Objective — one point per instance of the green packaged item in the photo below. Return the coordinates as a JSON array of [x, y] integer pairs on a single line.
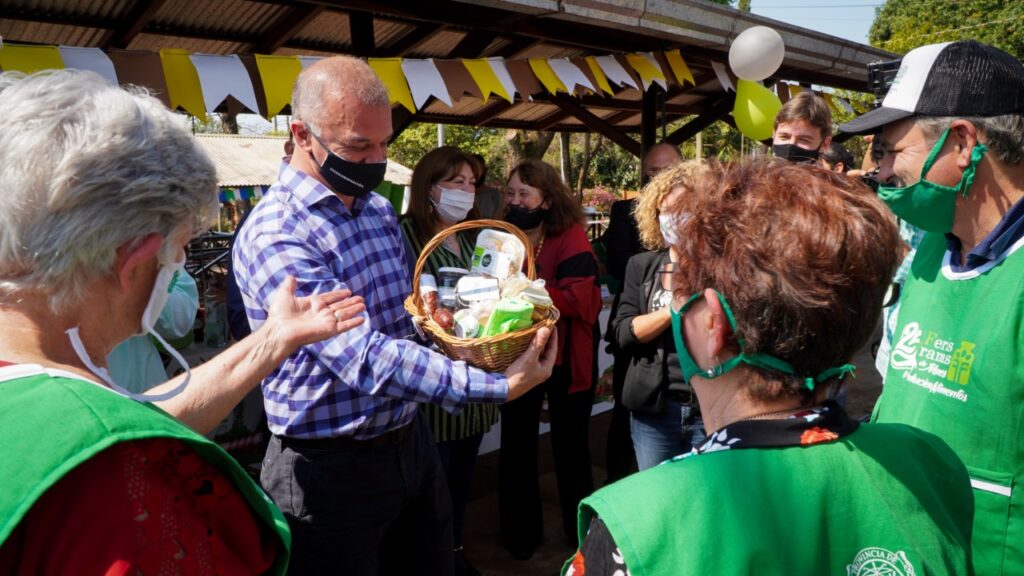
[[510, 315]]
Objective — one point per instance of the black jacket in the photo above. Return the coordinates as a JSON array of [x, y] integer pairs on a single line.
[[654, 368], [621, 239]]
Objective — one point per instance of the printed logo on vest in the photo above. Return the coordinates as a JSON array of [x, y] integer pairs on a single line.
[[880, 562], [933, 363]]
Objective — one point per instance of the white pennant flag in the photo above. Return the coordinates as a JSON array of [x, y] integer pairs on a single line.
[[308, 61], [723, 76], [91, 59], [570, 74], [615, 72], [223, 76], [842, 102], [425, 81], [501, 71]]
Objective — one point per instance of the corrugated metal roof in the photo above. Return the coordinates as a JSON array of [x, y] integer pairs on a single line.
[[434, 28], [255, 160]]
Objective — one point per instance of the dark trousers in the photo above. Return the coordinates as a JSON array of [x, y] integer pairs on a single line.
[[366, 511], [519, 504], [458, 459], [619, 454]]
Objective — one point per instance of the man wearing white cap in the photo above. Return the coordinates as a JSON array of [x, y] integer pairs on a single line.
[[952, 132]]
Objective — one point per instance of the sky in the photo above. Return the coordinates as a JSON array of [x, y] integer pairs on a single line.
[[849, 19]]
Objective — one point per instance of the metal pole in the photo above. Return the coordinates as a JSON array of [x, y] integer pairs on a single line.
[[440, 135]]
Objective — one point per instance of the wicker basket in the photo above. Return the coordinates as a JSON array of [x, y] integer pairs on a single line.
[[492, 353]]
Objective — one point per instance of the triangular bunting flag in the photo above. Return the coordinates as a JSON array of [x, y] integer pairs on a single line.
[[278, 74], [615, 72], [390, 72], [91, 59], [223, 76], [29, 59], [503, 75], [679, 67], [570, 75], [484, 76], [648, 68], [723, 76], [547, 76], [599, 77], [425, 81], [183, 88]]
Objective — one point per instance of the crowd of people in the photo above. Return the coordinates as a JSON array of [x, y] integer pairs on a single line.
[[744, 291]]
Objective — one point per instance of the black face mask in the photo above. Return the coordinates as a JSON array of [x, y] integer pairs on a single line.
[[353, 179], [525, 219], [794, 153]]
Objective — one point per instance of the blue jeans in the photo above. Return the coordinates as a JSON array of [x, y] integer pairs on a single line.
[[657, 437]]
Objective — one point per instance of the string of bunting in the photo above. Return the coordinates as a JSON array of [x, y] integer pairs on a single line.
[[200, 83], [262, 84]]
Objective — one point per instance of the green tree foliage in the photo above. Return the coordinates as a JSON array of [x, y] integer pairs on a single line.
[[901, 25]]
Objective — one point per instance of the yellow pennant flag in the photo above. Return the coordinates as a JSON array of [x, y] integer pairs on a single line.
[[29, 59], [278, 74], [679, 67], [547, 76], [832, 105], [649, 71], [183, 88], [389, 70], [794, 89], [484, 76], [602, 80]]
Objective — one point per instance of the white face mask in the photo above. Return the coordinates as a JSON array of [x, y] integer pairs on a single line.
[[170, 268], [669, 224], [455, 204]]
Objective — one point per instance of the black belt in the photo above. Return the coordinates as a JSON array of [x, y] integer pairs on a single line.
[[346, 443], [682, 396]]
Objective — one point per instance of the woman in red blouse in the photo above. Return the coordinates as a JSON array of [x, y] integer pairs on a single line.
[[541, 205]]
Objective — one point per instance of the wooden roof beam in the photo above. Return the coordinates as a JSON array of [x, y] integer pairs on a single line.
[[411, 40], [620, 105], [132, 24], [360, 26], [714, 112], [471, 45], [286, 26], [595, 123], [492, 111]]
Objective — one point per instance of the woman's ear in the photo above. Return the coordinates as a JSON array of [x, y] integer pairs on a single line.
[[717, 324], [133, 254]]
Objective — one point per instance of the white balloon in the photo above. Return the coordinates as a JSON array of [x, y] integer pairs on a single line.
[[756, 53]]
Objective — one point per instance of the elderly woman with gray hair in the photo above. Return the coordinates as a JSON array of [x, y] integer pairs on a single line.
[[100, 189]]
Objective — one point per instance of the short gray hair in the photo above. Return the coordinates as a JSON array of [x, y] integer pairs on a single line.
[[335, 78], [86, 167], [1004, 135]]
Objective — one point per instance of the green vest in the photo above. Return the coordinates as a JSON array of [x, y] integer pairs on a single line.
[[885, 499], [956, 370], [53, 422]]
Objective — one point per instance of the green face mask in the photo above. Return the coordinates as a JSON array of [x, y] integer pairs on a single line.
[[690, 368], [928, 205]]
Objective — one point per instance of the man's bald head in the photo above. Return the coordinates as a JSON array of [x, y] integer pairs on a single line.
[[659, 157], [334, 80]]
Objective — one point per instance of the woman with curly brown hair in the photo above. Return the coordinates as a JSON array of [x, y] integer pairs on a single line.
[[664, 418], [782, 271], [540, 203]]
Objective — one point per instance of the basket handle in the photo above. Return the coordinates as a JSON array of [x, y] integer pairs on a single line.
[[467, 225]]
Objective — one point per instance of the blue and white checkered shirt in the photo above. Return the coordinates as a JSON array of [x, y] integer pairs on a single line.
[[366, 381]]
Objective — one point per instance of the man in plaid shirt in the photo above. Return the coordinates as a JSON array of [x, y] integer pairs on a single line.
[[350, 465]]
